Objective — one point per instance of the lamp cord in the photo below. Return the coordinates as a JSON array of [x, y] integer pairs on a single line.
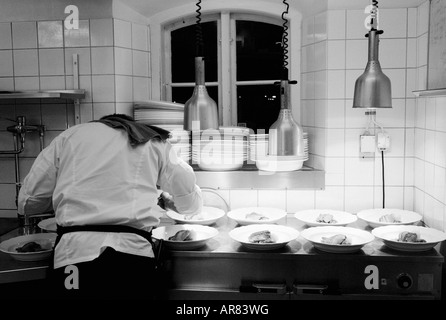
[[285, 41], [384, 193], [199, 32]]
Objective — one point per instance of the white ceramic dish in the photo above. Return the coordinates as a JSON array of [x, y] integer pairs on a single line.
[[280, 234], [389, 235], [358, 238], [46, 240], [241, 215], [201, 235], [48, 225], [309, 217], [279, 166], [208, 216], [372, 216]]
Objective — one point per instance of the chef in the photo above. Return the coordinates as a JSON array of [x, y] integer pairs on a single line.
[[103, 179]]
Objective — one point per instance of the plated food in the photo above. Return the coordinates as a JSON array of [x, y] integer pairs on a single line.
[[263, 236], [324, 217], [337, 239], [409, 238], [208, 216], [32, 247], [256, 215], [384, 217], [184, 236]]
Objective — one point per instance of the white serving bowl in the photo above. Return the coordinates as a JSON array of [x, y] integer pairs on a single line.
[[202, 234], [309, 217], [46, 240], [371, 216], [209, 216], [272, 215]]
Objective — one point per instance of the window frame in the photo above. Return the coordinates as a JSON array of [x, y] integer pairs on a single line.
[[224, 9]]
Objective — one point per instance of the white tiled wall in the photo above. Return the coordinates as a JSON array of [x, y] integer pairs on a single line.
[[36, 55]]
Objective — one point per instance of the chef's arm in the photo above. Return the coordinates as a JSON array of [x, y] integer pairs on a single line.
[[36, 193], [178, 179]]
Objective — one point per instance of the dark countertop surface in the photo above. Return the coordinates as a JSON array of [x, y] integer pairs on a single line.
[[8, 224]]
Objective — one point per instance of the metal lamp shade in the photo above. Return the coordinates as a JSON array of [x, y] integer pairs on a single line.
[[373, 87]]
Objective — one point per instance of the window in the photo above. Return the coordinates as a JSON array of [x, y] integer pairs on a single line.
[[243, 60]]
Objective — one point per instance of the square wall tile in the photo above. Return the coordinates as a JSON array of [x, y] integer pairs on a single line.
[[410, 142], [350, 79], [392, 53], [307, 112], [307, 84], [422, 78], [352, 140], [335, 114], [272, 198], [297, 200], [429, 146], [26, 63], [5, 35], [308, 31], [336, 54], [359, 171], [320, 84], [6, 64], [330, 198], [243, 198], [103, 109], [140, 63], [393, 171], [6, 84], [141, 88], [355, 24], [320, 55], [440, 124], [51, 62], [86, 112], [420, 113], [440, 150], [124, 88], [123, 61], [393, 22], [439, 183], [103, 88], [423, 18], [397, 142], [356, 54], [320, 27], [122, 33], [307, 58], [409, 198], [336, 24], [83, 60], [334, 171], [412, 53], [412, 14], [422, 50], [392, 117], [54, 116], [102, 60], [139, 37], [320, 113], [336, 84], [24, 35], [398, 82], [358, 198], [26, 83], [50, 34], [78, 37], [409, 171], [335, 143], [419, 173], [101, 32], [52, 83], [411, 84]]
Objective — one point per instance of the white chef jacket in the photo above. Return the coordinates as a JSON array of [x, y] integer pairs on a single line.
[[90, 174]]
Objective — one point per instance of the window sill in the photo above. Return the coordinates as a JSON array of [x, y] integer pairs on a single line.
[[249, 177]]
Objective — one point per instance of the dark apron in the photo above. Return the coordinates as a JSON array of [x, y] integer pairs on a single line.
[[156, 247]]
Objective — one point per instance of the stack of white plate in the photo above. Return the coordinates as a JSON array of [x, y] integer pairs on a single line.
[[258, 144], [220, 150], [159, 113], [180, 141]]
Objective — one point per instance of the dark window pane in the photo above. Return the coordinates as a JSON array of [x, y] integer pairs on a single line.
[[258, 106], [259, 52], [183, 42], [182, 94]]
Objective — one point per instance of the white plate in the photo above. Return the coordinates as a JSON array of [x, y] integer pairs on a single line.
[[309, 217], [48, 225], [201, 235], [209, 216], [371, 216], [281, 235], [46, 240], [358, 238], [272, 214], [389, 235]]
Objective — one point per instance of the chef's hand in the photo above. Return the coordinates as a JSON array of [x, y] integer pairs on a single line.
[[165, 201]]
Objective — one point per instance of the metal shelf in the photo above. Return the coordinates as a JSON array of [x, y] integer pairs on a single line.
[[249, 177], [430, 93], [44, 94]]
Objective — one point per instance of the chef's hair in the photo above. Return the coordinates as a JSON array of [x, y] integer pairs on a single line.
[[118, 115]]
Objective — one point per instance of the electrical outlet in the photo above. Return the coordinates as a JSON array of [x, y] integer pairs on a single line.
[[368, 144], [383, 141]]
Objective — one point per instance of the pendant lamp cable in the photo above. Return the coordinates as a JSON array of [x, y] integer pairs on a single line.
[[199, 32], [285, 45]]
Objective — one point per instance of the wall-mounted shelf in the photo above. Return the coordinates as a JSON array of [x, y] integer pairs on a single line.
[[249, 177], [430, 93], [44, 94]]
